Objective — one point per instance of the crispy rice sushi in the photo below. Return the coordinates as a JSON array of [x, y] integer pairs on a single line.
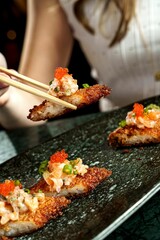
[[22, 212], [141, 127], [65, 87], [62, 177]]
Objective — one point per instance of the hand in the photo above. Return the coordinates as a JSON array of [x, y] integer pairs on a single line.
[[3, 87], [3, 91]]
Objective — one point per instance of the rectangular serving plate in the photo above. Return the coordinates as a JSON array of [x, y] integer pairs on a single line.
[[134, 180]]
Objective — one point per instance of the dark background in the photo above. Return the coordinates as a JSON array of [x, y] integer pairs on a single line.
[[12, 29]]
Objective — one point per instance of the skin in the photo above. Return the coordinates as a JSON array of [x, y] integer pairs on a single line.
[[3, 87], [47, 36]]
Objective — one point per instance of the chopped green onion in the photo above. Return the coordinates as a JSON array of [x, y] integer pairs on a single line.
[[43, 167], [56, 89], [75, 172], [67, 169], [85, 85], [74, 162], [27, 190], [122, 123], [17, 182], [12, 199], [50, 82], [151, 106]]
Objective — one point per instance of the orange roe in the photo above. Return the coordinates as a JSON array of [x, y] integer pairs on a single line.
[[138, 109], [60, 72], [59, 157], [7, 187]]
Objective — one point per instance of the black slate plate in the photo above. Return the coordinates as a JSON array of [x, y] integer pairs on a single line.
[[135, 178]]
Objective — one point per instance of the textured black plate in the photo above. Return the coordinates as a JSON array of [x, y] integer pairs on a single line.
[[135, 178]]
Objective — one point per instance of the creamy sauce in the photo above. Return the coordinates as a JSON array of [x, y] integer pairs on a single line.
[[17, 202], [60, 174], [148, 119], [65, 86]]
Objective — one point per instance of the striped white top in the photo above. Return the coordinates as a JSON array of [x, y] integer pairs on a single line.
[[129, 68]]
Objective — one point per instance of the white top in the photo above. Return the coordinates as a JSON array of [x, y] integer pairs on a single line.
[[129, 68]]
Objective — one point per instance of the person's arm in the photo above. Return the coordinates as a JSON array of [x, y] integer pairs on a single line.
[[48, 40], [47, 45]]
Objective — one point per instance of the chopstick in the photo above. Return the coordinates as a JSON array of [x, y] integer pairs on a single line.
[[24, 78], [34, 91]]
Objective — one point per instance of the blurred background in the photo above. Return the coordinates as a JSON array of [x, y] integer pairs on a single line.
[[12, 29]]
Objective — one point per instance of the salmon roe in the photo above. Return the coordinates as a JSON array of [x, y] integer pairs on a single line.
[[60, 72], [7, 187], [138, 109], [59, 157]]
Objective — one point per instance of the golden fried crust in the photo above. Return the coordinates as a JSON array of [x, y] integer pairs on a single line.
[[81, 185], [40, 185], [81, 98], [133, 136], [48, 209], [91, 179]]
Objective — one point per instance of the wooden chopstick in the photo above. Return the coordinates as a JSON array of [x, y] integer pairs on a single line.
[[36, 92], [24, 78]]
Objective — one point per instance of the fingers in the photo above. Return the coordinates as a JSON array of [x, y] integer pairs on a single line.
[[14, 71], [3, 86]]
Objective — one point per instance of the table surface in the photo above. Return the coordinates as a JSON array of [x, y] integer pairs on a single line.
[[144, 224]]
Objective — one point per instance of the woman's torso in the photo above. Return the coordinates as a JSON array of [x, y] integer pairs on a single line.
[[129, 68]]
